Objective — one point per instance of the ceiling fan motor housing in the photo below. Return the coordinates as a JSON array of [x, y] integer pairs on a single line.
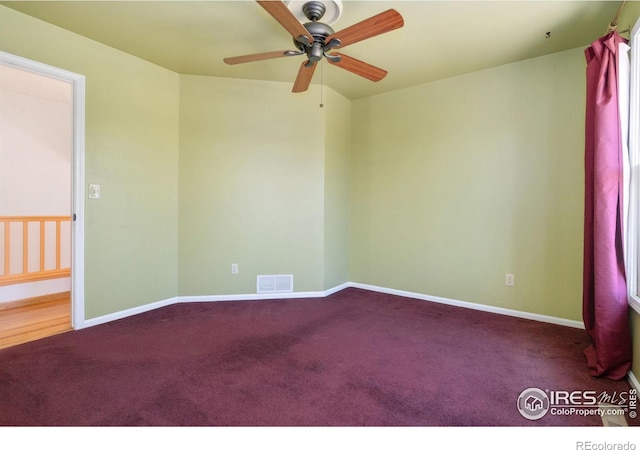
[[320, 32], [314, 10]]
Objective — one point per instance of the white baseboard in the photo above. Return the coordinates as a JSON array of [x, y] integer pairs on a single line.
[[128, 312], [322, 294], [469, 305], [633, 381], [338, 288], [206, 298], [282, 296]]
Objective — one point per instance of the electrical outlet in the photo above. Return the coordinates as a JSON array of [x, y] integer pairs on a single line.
[[510, 280], [234, 269]]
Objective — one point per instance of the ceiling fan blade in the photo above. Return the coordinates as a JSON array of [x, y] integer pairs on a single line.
[[303, 80], [281, 13], [358, 67], [259, 56], [373, 26]]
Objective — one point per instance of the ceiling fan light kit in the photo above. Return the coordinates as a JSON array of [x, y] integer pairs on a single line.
[[317, 39], [331, 9]]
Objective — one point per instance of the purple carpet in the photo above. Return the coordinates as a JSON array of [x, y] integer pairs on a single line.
[[356, 358]]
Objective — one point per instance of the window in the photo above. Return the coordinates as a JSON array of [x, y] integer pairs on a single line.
[[633, 223]]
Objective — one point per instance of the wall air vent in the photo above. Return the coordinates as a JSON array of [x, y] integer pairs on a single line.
[[274, 284]]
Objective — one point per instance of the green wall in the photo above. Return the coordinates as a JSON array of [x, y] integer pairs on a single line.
[[131, 151], [336, 182], [458, 182], [629, 16], [253, 185], [251, 171]]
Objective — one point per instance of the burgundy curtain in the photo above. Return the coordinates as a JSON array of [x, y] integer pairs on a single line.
[[605, 308]]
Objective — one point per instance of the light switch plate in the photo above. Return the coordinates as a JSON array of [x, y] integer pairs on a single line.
[[94, 191]]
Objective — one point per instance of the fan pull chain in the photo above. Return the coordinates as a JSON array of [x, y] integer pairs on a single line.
[[321, 83]]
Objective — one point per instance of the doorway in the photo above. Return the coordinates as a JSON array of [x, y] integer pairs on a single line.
[[42, 157]]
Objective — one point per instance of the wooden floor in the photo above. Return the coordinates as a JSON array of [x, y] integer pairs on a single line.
[[31, 319]]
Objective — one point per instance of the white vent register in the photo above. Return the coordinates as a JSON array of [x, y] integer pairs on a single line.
[[274, 284]]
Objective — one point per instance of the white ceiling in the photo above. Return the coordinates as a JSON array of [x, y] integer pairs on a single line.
[[440, 39]]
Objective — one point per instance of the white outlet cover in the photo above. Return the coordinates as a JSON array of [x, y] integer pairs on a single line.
[[510, 279]]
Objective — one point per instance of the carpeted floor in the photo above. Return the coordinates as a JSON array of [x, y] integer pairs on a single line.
[[356, 358]]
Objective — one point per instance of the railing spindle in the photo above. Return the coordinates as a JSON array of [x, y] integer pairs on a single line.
[[7, 248], [42, 235], [58, 244], [25, 246]]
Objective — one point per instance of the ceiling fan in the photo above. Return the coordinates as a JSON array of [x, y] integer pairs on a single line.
[[316, 39]]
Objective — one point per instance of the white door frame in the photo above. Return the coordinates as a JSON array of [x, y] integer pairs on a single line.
[[77, 201]]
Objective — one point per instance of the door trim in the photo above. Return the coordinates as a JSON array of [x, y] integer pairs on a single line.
[[77, 191]]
